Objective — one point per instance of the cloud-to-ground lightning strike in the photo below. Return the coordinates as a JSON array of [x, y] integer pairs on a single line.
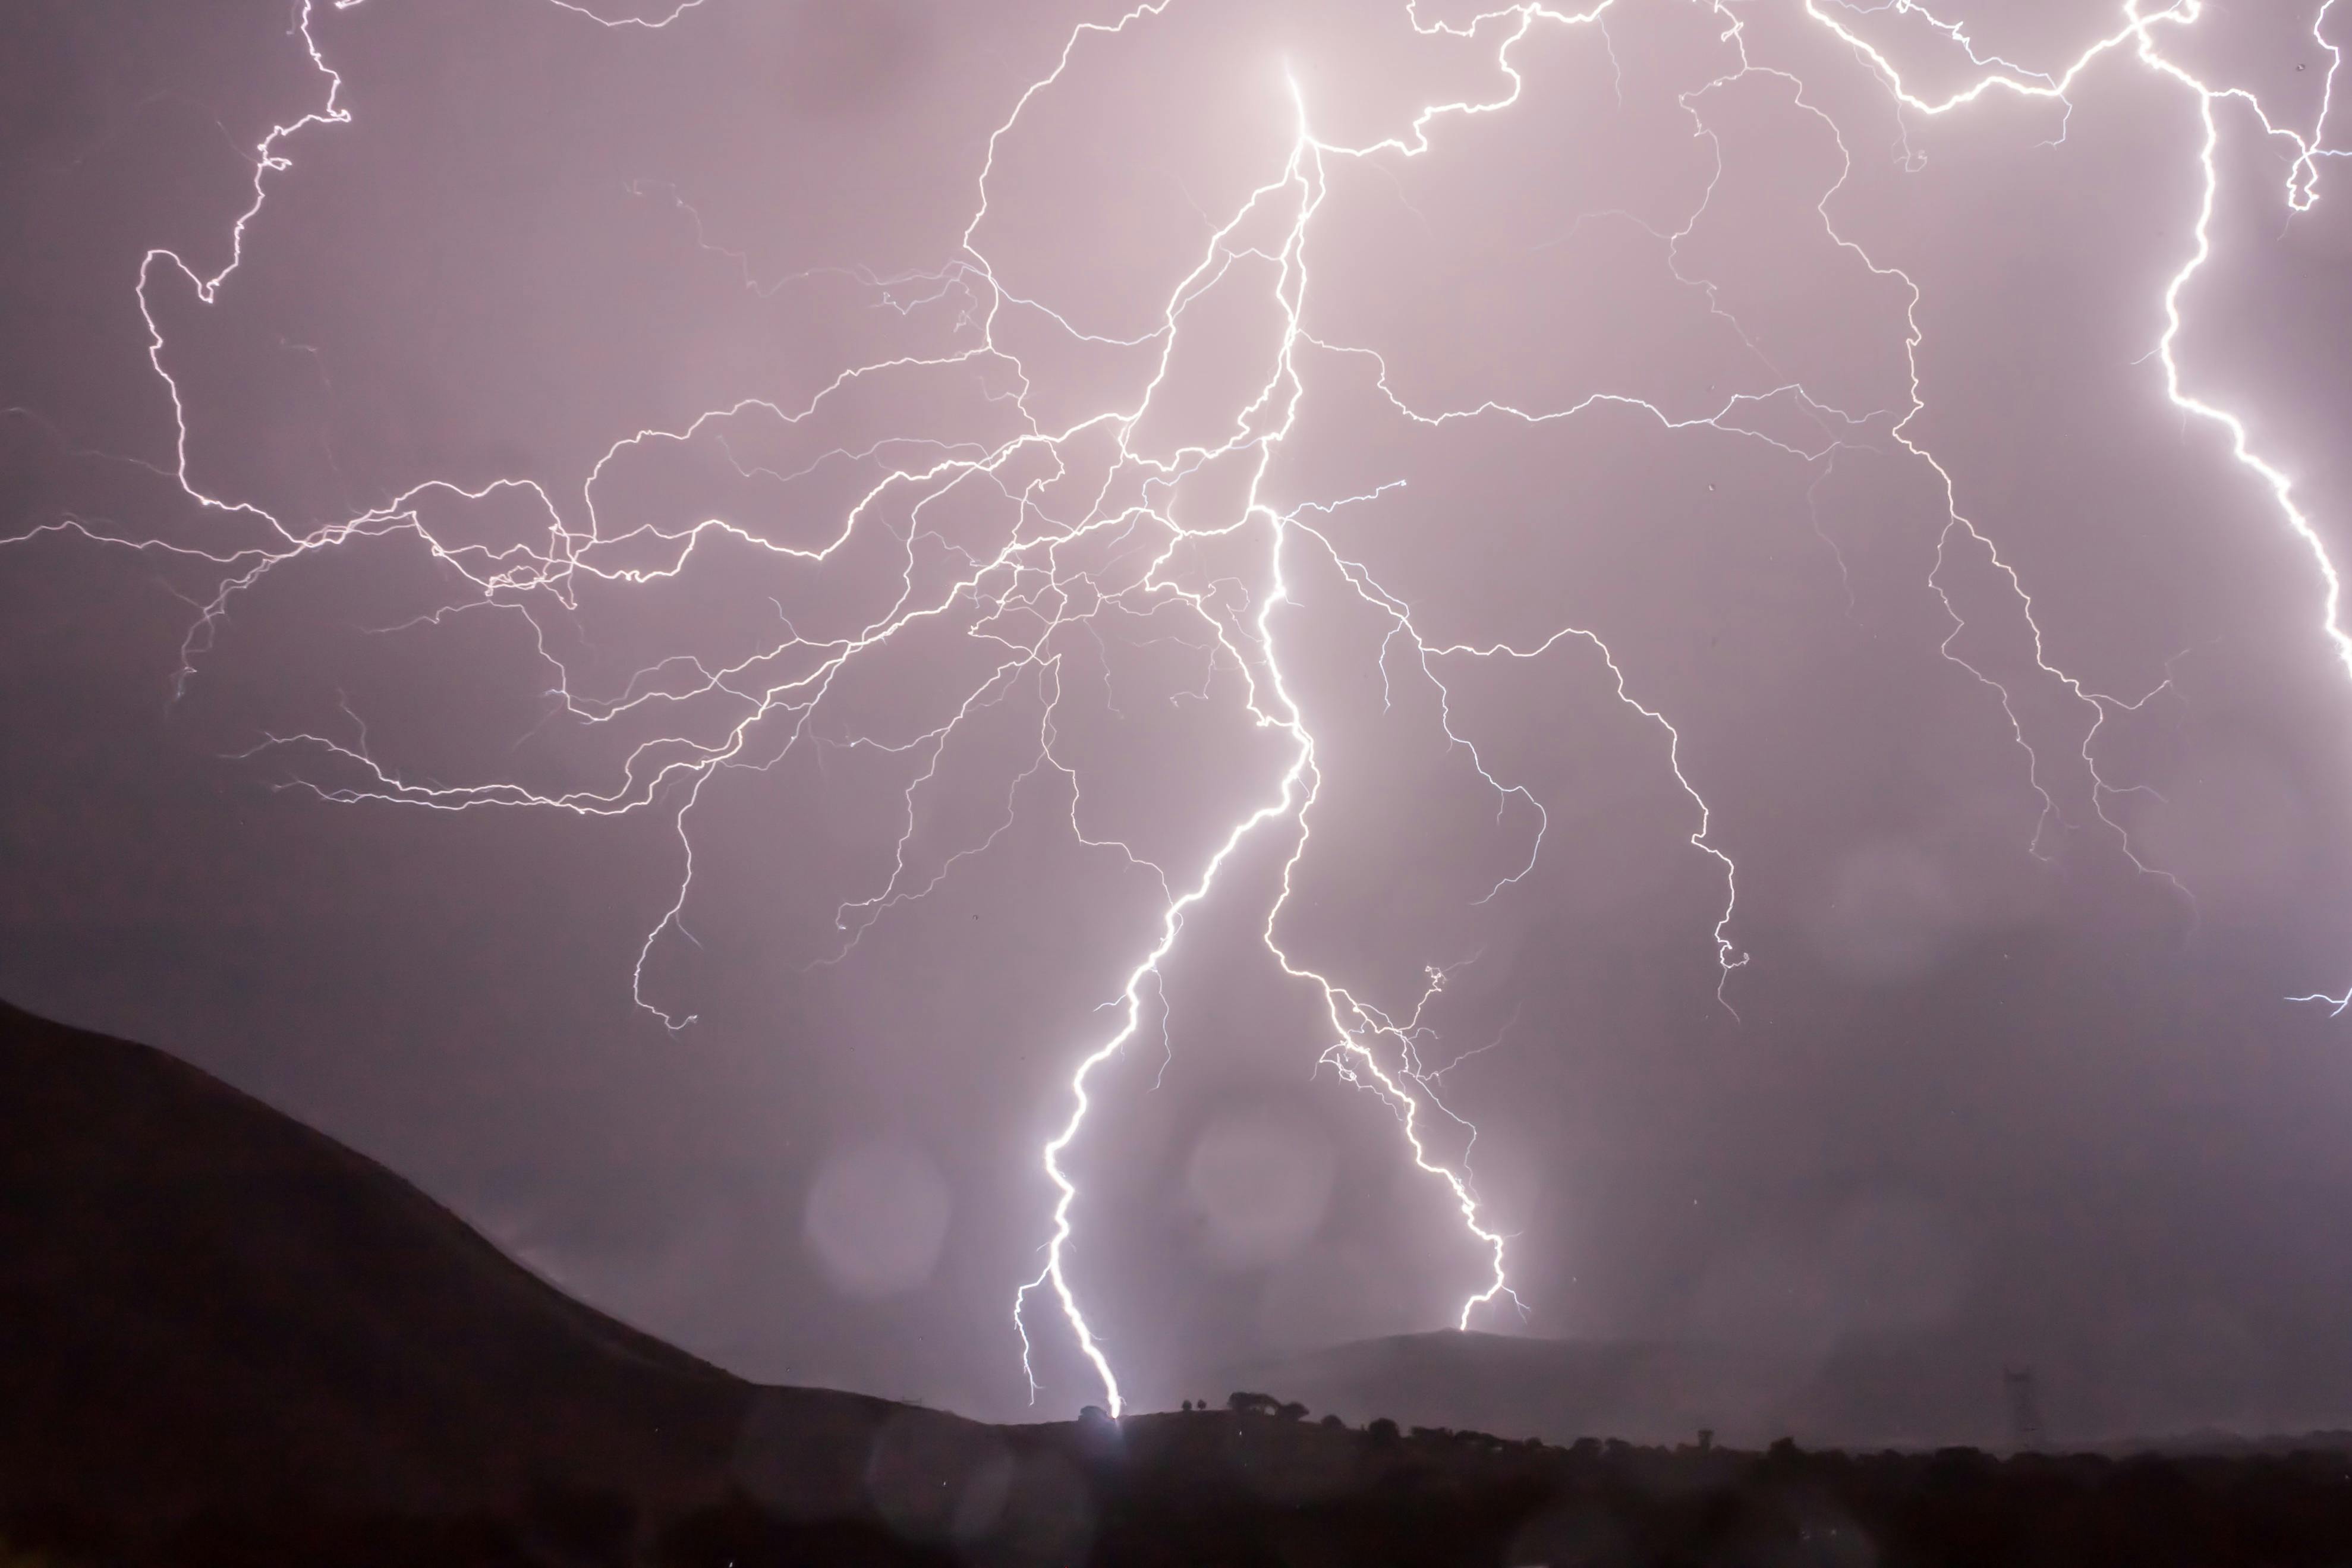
[[1030, 594]]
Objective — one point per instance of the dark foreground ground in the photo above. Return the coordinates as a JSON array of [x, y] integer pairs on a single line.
[[1219, 1489], [225, 1339]]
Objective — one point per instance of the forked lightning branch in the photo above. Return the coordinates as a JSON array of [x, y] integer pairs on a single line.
[[1033, 592]]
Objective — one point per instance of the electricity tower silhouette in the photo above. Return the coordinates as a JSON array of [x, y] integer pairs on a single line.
[[2025, 1415]]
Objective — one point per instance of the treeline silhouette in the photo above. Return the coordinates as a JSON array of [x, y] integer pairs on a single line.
[[1257, 1483]]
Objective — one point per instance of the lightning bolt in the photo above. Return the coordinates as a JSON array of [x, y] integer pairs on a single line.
[[1127, 547], [2137, 36]]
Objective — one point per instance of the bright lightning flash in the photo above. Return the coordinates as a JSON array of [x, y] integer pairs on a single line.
[[1049, 583]]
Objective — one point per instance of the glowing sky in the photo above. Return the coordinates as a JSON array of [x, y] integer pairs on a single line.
[[1250, 675]]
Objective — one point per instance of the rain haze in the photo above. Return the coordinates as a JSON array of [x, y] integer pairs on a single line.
[[1605, 673]]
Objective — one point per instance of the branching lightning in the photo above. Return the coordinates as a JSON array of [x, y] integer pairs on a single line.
[[1064, 573]]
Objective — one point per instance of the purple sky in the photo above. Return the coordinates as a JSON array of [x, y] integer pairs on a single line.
[[999, 551]]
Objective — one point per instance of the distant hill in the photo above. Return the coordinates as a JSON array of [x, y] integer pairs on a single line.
[[1918, 1393], [1559, 1390]]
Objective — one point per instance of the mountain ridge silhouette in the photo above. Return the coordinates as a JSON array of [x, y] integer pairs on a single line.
[[206, 1303]]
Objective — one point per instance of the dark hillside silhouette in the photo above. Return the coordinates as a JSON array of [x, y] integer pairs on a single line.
[[204, 1302]]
